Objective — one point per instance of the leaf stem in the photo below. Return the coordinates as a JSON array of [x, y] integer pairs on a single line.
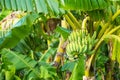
[[115, 15], [113, 30], [70, 22], [74, 19]]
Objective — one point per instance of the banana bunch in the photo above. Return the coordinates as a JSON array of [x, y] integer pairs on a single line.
[[80, 42]]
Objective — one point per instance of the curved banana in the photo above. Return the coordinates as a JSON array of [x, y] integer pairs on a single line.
[[80, 42]]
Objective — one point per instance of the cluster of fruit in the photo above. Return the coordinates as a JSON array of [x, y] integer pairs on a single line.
[[80, 42]]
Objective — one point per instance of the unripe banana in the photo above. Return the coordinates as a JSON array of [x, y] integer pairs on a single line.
[[80, 49], [74, 36], [80, 42], [75, 45], [85, 49], [80, 33], [72, 45], [89, 39], [69, 38], [83, 34], [70, 48], [67, 49], [83, 41], [94, 36], [90, 46], [77, 33], [86, 41]]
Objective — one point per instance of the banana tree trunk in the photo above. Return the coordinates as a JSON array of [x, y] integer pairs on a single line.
[[61, 48], [59, 54]]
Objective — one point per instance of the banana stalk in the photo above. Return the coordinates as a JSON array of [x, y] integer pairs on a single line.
[[70, 22], [60, 51], [59, 54], [70, 18], [73, 19], [115, 15]]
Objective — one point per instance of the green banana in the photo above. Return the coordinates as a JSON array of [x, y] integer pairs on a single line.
[[72, 45], [80, 42], [80, 33], [67, 49], [94, 36], [84, 49], [75, 36], [75, 46]]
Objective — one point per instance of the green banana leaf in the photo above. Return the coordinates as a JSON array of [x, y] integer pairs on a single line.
[[19, 31], [10, 74], [84, 5], [39, 6], [68, 66], [47, 54], [20, 61], [64, 32], [79, 69], [48, 72], [46, 6]]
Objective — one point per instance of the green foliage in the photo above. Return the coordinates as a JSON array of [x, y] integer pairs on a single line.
[[4, 13], [79, 69], [116, 51], [31, 69], [18, 60], [47, 54], [68, 66], [39, 6], [64, 32], [19, 31], [29, 56], [101, 60], [33, 41], [84, 5], [48, 72], [9, 73]]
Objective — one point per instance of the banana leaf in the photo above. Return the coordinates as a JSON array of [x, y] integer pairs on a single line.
[[19, 31], [84, 5], [20, 61], [79, 69]]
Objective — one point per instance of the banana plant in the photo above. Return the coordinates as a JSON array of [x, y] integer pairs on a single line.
[[83, 44]]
